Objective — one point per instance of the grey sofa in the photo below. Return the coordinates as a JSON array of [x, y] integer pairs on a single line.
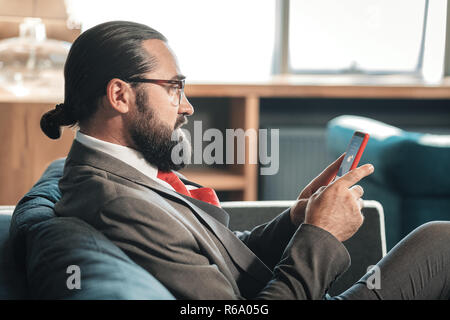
[[21, 275], [366, 247]]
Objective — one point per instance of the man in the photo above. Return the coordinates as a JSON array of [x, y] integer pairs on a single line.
[[124, 90]]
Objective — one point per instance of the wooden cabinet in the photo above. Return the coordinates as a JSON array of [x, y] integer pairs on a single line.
[[239, 180], [25, 151], [245, 101]]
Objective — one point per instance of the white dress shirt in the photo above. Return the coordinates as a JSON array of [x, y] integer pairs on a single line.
[[128, 155]]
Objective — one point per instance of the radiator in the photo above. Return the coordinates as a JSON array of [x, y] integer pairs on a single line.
[[303, 155]]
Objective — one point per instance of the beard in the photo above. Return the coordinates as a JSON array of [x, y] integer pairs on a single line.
[[154, 139]]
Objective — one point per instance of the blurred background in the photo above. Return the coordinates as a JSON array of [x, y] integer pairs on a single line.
[[292, 65]]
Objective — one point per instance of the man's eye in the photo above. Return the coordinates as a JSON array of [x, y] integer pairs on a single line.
[[172, 89]]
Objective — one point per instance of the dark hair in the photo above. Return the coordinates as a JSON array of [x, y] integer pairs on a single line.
[[109, 50]]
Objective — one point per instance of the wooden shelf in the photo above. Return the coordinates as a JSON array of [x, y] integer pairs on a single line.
[[395, 87], [218, 179]]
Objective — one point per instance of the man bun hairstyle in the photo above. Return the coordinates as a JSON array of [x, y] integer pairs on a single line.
[[104, 52]]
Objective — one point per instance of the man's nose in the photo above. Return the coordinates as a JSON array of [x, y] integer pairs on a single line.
[[185, 106]]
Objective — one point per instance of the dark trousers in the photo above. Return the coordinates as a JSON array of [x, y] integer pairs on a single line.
[[418, 267]]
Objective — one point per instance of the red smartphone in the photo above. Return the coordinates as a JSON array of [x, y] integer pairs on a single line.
[[353, 153]]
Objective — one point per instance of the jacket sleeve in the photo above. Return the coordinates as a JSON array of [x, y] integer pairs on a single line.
[[306, 260], [269, 240], [311, 262], [167, 249]]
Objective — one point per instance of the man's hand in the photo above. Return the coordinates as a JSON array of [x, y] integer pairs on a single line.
[[299, 208], [336, 208]]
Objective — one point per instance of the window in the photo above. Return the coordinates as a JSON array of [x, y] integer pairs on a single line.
[[364, 37], [250, 40], [353, 36]]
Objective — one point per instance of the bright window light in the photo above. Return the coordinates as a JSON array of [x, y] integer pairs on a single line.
[[354, 36], [434, 49], [214, 40]]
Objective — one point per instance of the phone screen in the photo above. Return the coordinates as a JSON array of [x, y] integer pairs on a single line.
[[351, 153]]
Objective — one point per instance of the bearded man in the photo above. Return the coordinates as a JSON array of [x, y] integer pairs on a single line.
[[124, 90]]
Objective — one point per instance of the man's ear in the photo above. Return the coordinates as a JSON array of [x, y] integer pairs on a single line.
[[120, 95]]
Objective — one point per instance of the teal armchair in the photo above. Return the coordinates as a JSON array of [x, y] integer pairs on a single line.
[[412, 172]]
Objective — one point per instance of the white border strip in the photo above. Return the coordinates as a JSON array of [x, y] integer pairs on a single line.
[[379, 207], [7, 209]]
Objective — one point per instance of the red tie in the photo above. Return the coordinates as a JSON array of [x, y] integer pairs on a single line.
[[203, 194]]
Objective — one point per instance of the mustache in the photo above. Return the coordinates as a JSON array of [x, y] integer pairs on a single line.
[[181, 120]]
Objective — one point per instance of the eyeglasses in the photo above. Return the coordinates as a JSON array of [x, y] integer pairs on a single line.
[[176, 87]]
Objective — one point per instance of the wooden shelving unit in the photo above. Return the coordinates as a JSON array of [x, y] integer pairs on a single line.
[[242, 179], [26, 151], [245, 101], [385, 87]]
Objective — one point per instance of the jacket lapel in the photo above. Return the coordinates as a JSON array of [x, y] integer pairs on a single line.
[[213, 217], [238, 251]]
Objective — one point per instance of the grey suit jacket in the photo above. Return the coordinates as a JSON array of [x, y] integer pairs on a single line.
[[186, 244]]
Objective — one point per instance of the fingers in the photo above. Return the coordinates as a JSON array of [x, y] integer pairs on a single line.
[[357, 191], [327, 175], [320, 190], [330, 172], [354, 176]]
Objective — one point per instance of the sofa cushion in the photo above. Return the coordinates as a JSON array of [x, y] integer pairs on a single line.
[[31, 208], [401, 158], [12, 278], [419, 165], [48, 247], [411, 177], [105, 272]]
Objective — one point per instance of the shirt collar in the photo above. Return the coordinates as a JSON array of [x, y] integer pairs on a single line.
[[128, 155]]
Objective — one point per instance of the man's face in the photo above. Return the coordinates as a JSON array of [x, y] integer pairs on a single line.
[[155, 119]]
